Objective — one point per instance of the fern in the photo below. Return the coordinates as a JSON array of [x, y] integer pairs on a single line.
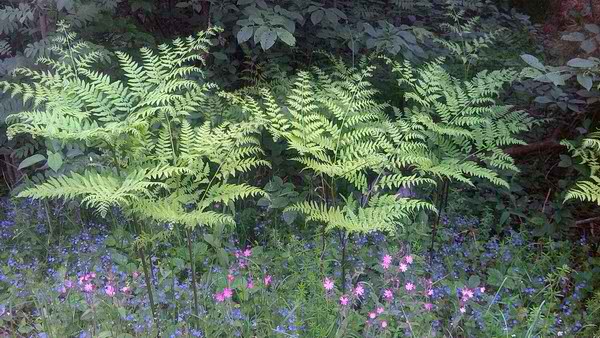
[[460, 129], [339, 133], [588, 152], [154, 164], [463, 40], [140, 126]]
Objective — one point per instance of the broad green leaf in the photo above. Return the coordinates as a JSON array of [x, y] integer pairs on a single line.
[[267, 40], [585, 81], [245, 34], [104, 334], [55, 161], [332, 16], [565, 161], [474, 281], [495, 277], [589, 46], [408, 36], [574, 36], [289, 216], [593, 28], [533, 61], [286, 37], [258, 33], [31, 160], [317, 16], [543, 99], [581, 63]]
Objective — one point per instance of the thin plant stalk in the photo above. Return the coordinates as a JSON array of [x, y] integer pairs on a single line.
[[442, 197], [193, 271], [147, 278]]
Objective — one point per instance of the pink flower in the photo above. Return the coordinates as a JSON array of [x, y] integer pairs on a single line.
[[110, 290], [409, 286], [408, 259], [387, 260], [467, 294], [403, 267], [328, 284], [383, 324], [219, 297], [372, 315], [92, 275], [482, 289], [344, 300], [462, 309], [430, 292], [135, 274], [247, 252], [359, 290], [387, 294], [88, 287], [380, 310], [126, 289], [267, 280], [230, 278], [428, 306], [227, 293], [250, 284]]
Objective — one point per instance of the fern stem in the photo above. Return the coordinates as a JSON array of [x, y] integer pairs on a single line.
[[192, 271], [147, 277], [344, 241], [442, 197], [148, 286]]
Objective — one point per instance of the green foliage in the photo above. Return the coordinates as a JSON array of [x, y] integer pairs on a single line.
[[152, 163], [338, 132], [464, 41], [461, 125], [588, 152]]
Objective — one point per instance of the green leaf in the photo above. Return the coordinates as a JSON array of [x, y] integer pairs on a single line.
[[593, 28], [574, 36], [215, 243], [64, 4], [474, 281], [55, 161], [104, 334], [267, 40], [332, 16], [31, 160], [565, 161], [495, 277], [581, 63], [289, 216], [258, 33], [286, 37], [317, 16], [533, 61], [585, 81], [556, 78], [504, 217], [263, 202], [589, 46], [543, 100], [245, 34]]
